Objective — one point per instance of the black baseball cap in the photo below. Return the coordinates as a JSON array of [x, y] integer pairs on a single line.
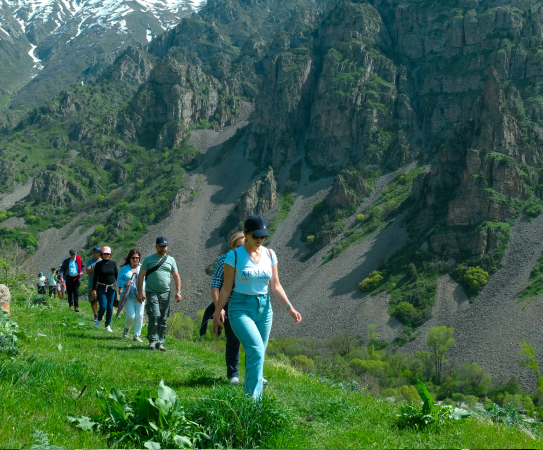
[[161, 241], [96, 249], [73, 251], [257, 225]]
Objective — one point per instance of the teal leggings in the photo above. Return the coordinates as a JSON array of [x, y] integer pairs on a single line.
[[251, 319]]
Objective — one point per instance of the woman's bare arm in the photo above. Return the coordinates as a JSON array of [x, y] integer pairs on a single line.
[[279, 292]]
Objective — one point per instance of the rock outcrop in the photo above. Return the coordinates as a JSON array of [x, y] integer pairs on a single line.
[[259, 198], [53, 188], [5, 298]]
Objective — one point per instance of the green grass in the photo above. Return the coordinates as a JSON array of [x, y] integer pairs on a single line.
[[535, 288], [285, 205], [63, 353]]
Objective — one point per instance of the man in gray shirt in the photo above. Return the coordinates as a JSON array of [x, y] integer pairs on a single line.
[[158, 292]]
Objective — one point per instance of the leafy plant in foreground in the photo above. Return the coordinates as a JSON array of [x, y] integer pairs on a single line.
[[41, 440], [429, 415], [145, 421], [9, 333]]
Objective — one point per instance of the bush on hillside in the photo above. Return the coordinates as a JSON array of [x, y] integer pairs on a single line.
[[372, 282], [301, 362], [533, 207], [475, 278], [406, 313]]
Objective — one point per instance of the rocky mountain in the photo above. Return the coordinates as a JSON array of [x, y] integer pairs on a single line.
[[389, 144], [50, 44]]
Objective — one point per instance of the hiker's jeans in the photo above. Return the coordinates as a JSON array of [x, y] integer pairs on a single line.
[[105, 300], [232, 348], [251, 319], [134, 312], [158, 310], [72, 287]]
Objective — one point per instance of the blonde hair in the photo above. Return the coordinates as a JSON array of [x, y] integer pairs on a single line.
[[235, 238]]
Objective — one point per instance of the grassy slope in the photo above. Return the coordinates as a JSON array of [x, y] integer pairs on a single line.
[[38, 388]]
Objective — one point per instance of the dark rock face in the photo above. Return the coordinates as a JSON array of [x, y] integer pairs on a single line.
[[259, 198], [52, 188], [387, 83], [347, 190]]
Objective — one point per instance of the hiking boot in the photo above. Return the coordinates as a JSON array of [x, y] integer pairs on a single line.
[[97, 323], [152, 346], [76, 309], [108, 328], [70, 307], [125, 332], [234, 381], [264, 381], [161, 348], [137, 339]]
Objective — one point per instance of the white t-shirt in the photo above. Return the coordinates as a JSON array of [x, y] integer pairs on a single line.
[[251, 278]]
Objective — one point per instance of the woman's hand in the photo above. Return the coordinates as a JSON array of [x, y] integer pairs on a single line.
[[295, 315], [217, 323], [128, 284], [94, 294]]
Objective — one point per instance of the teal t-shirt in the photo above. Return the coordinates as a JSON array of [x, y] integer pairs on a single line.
[[90, 264], [159, 281]]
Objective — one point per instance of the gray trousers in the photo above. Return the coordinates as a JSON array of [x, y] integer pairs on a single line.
[[158, 310]]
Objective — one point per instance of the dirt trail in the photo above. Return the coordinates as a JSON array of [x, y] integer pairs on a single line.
[[488, 330]]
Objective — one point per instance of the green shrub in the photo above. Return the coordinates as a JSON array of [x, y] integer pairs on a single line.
[[475, 278], [232, 420], [533, 207], [181, 327], [458, 397], [302, 362], [372, 282], [528, 406], [406, 313], [360, 218], [471, 400], [310, 241], [146, 421]]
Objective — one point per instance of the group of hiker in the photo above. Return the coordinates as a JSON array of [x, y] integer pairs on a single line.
[[240, 289], [53, 283]]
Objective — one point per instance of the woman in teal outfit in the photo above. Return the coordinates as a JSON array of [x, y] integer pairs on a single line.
[[254, 269]]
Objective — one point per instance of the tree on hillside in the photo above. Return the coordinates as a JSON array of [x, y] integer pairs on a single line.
[[372, 337], [439, 339], [425, 360], [344, 343], [528, 360]]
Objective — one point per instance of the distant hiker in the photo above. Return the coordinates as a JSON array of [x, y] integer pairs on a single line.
[[61, 285], [103, 287], [71, 271], [52, 283], [232, 342], [157, 270], [253, 269], [40, 282], [96, 252], [128, 279]]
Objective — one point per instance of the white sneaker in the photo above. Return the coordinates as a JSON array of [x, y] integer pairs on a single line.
[[234, 381], [108, 328], [97, 323], [125, 332], [264, 381], [137, 339]]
